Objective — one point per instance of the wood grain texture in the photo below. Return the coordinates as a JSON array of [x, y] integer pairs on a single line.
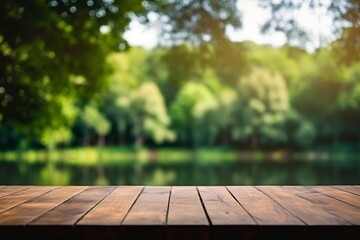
[[18, 197], [171, 213], [222, 208], [113, 209], [186, 216], [7, 190], [307, 211], [72, 210], [329, 204], [150, 208], [185, 207], [263, 209], [345, 196], [28, 211], [350, 189]]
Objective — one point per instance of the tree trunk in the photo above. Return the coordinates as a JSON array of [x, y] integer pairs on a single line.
[[254, 141], [139, 136], [139, 140], [101, 141], [86, 138]]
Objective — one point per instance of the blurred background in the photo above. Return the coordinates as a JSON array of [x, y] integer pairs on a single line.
[[193, 92]]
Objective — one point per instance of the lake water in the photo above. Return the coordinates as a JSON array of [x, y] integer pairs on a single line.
[[236, 173]]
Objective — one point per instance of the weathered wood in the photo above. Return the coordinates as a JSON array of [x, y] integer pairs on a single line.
[[103, 221], [222, 208], [137, 212], [331, 205], [147, 218], [350, 189], [186, 216], [263, 209], [72, 210], [28, 211], [150, 208], [7, 190], [228, 218], [308, 212], [185, 207], [339, 194], [112, 209], [19, 197]]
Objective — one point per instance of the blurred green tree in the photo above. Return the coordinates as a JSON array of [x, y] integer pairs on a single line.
[[62, 113], [53, 48], [345, 16], [317, 99], [148, 115], [93, 119], [58, 47], [194, 113], [260, 109], [129, 70], [195, 21], [300, 131], [122, 82]]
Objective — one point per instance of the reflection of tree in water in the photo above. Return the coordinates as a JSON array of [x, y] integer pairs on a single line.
[[265, 172], [52, 174], [101, 178], [160, 177]]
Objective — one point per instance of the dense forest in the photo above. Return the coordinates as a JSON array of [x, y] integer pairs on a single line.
[[262, 97], [73, 85]]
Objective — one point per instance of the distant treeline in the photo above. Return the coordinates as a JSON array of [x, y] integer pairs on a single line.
[[241, 95]]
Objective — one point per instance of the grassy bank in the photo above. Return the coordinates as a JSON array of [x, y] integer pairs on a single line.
[[91, 156]]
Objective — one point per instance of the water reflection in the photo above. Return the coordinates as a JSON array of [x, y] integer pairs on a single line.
[[238, 173]]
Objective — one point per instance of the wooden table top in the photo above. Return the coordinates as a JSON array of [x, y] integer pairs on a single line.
[[149, 212]]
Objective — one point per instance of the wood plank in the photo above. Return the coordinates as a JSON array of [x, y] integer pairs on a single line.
[[28, 211], [339, 194], [7, 190], [308, 212], [186, 216], [263, 209], [350, 189], [18, 197], [222, 208], [147, 218], [150, 208], [185, 207], [331, 205], [113, 209], [72, 210]]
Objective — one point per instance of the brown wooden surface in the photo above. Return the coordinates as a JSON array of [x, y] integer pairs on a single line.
[[270, 212], [137, 212], [350, 189], [150, 208], [185, 207], [73, 210], [339, 194], [7, 190], [222, 208], [331, 205], [310, 213], [24, 213], [18, 197], [113, 209]]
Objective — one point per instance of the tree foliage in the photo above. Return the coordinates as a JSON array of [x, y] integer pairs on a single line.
[[196, 21], [345, 16], [60, 63], [193, 112], [261, 107], [149, 115], [53, 48]]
